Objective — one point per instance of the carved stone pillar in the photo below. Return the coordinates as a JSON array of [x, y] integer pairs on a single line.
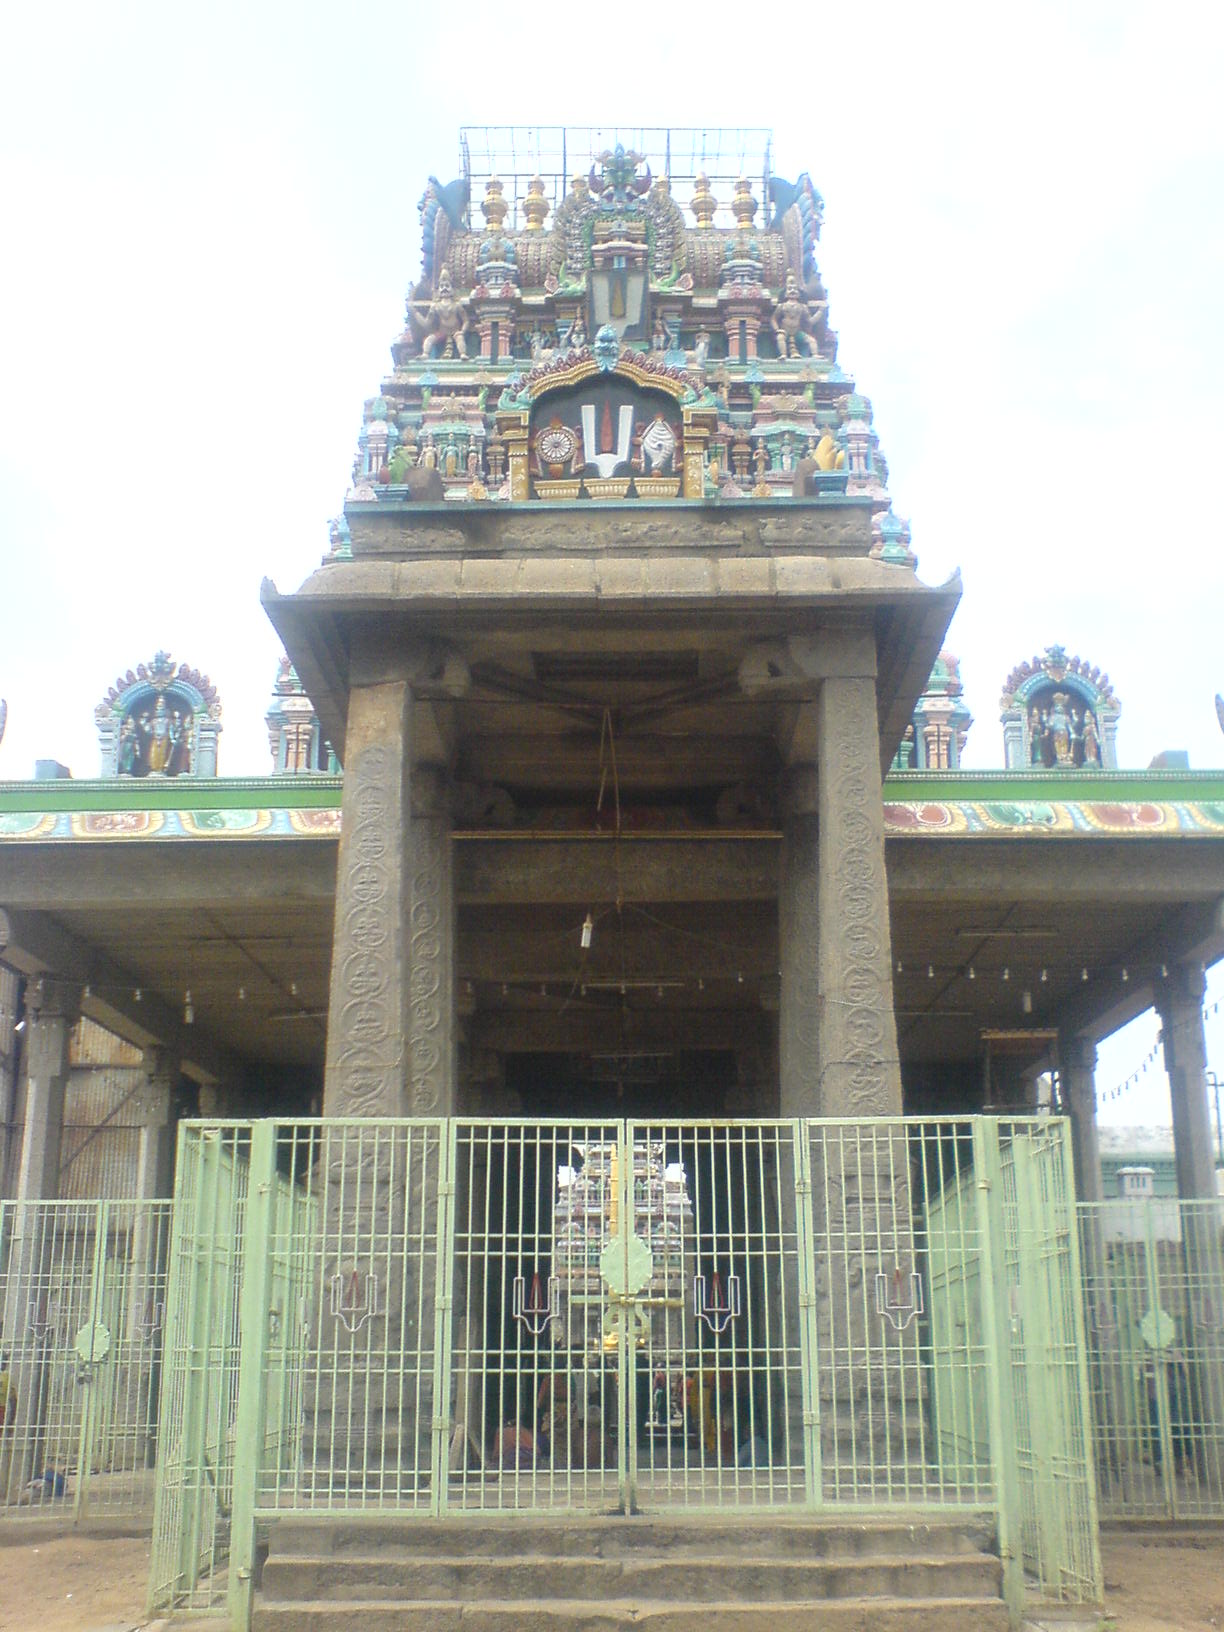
[[431, 948], [1180, 1004], [155, 1161], [51, 1012], [799, 948], [860, 1070], [52, 1008], [368, 1011], [1077, 1064]]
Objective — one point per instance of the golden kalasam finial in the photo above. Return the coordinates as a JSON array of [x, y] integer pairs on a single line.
[[535, 205], [743, 205], [703, 202], [494, 206]]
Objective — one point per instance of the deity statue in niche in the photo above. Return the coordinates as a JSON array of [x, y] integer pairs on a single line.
[[129, 748], [1059, 730], [1062, 731], [155, 738]]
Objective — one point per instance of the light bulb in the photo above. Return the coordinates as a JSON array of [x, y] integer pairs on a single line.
[[188, 1008], [588, 929], [972, 974]]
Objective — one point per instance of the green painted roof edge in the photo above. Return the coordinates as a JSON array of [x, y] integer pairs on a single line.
[[291, 792], [312, 792], [1048, 787]]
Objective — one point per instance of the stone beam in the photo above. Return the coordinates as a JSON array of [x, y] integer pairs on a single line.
[[97, 877], [582, 1029], [34, 944], [594, 870], [1053, 869], [502, 952], [1195, 934]]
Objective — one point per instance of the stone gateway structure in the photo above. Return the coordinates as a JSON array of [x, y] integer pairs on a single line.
[[638, 1103]]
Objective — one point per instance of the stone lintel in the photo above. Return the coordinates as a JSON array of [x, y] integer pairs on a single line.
[[832, 524]]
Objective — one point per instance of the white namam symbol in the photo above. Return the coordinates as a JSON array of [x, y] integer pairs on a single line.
[[601, 453]]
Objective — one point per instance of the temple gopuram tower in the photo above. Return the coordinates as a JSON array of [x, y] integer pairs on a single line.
[[618, 589]]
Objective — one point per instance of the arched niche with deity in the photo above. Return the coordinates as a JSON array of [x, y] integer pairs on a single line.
[[1059, 713], [163, 719], [605, 423]]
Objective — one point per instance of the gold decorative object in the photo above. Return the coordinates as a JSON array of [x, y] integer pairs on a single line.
[[535, 205], [703, 203], [656, 487], [607, 487], [494, 206], [743, 205], [567, 489]]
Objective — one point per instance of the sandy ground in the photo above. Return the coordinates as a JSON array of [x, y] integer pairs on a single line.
[[1159, 1584], [63, 1582]]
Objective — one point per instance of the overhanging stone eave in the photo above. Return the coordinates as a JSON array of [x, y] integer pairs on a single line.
[[782, 594]]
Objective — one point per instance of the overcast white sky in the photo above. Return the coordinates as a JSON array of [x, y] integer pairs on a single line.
[[210, 215]]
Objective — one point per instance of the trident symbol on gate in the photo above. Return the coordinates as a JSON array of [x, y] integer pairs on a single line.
[[354, 1297], [891, 1302], [717, 1314], [150, 1320], [42, 1319], [536, 1311]]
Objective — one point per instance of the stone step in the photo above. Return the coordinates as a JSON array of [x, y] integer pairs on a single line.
[[581, 1615], [602, 1537], [653, 1579]]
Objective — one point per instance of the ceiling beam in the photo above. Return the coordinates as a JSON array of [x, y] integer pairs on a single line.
[[34, 944]]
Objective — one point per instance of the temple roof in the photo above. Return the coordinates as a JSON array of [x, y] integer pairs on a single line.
[[609, 315]]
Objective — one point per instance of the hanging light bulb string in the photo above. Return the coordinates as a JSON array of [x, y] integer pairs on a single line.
[[1150, 1058]]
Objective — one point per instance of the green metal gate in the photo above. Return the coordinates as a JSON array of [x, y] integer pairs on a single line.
[[1154, 1291], [429, 1317], [82, 1295]]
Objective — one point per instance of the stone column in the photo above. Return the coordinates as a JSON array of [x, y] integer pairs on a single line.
[[28, 1313], [368, 1010], [390, 1053], [52, 1008], [799, 949], [860, 1074], [1180, 1004], [431, 947], [1077, 1064], [138, 1359], [860, 1176]]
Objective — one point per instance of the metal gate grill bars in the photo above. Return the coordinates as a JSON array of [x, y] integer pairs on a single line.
[[430, 1317], [82, 1303]]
